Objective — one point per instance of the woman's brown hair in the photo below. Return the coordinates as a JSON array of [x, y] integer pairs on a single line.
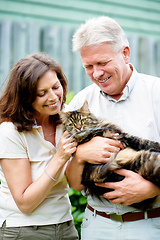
[[21, 90]]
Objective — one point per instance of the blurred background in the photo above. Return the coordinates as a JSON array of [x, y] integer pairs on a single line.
[[29, 26]]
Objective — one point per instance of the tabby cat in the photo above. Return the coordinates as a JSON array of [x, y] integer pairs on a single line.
[[138, 155]]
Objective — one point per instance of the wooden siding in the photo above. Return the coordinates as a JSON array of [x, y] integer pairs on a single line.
[[48, 25], [138, 16]]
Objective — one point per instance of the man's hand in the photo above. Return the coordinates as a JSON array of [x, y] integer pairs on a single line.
[[98, 150], [132, 189]]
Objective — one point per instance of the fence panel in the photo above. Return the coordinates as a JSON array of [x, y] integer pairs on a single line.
[[5, 50], [17, 39], [50, 41], [33, 38]]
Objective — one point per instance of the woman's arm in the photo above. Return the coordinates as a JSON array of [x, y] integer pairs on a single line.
[[29, 195]]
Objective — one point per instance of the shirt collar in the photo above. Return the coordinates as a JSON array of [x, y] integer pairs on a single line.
[[35, 125], [128, 88]]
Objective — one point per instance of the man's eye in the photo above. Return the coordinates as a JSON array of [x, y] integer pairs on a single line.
[[88, 67], [103, 64]]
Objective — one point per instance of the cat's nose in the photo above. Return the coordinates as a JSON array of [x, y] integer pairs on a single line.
[[79, 127]]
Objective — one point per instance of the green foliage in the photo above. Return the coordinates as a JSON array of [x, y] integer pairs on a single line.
[[78, 202], [70, 95]]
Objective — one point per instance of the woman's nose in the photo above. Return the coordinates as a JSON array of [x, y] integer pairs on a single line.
[[52, 95]]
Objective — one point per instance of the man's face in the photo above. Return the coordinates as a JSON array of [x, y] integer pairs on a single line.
[[108, 69]]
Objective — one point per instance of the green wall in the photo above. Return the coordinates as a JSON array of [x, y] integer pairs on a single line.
[[140, 17]]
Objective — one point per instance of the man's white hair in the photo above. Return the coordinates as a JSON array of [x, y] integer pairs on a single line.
[[99, 30]]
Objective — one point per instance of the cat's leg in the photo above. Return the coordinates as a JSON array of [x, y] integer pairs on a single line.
[[92, 173], [146, 163], [126, 158], [150, 167]]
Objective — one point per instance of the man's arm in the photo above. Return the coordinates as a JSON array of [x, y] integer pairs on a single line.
[[98, 150]]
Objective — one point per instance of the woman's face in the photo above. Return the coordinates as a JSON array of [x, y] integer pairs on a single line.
[[49, 95]]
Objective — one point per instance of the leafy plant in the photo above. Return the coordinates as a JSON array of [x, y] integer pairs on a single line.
[[78, 202]]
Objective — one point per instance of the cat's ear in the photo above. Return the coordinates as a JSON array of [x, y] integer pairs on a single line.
[[85, 107], [63, 115]]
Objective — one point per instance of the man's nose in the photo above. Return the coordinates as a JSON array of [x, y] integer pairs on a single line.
[[97, 73]]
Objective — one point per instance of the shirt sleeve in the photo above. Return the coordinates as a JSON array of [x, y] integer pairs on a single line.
[[156, 102], [12, 144]]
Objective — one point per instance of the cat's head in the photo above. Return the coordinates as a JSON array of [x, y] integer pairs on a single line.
[[78, 120]]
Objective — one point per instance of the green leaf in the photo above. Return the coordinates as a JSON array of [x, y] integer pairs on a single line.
[[73, 209], [70, 95], [71, 191], [82, 200], [76, 213], [80, 217], [74, 192]]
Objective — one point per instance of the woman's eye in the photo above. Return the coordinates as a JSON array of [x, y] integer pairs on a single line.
[[55, 87], [40, 94]]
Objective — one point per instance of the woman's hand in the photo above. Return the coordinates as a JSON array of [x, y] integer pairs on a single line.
[[132, 189], [66, 147]]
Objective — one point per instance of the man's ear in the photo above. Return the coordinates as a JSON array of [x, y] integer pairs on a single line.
[[126, 54]]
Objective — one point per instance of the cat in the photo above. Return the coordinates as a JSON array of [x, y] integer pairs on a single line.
[[139, 155]]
